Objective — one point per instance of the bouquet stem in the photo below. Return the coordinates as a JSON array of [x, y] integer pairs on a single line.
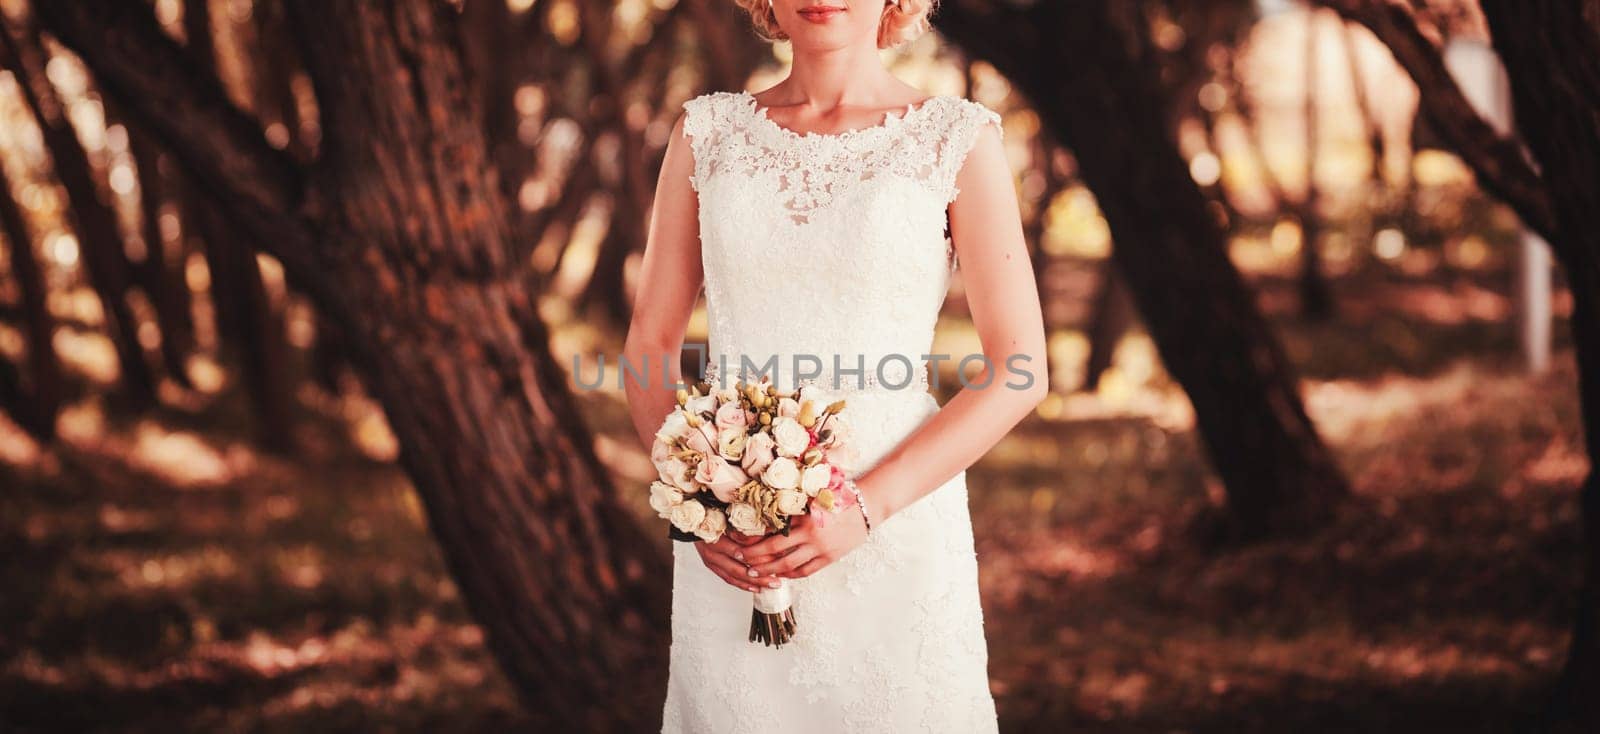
[[772, 619]]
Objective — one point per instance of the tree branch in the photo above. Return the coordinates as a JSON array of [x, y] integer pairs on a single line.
[[1498, 162]]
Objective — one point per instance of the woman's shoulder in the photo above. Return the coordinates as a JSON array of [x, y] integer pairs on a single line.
[[704, 114], [708, 120], [712, 104], [969, 114]]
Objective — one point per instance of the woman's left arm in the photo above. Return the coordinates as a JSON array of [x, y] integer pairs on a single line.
[[986, 230]]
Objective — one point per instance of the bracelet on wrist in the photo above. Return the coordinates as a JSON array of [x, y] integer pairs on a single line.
[[861, 503]]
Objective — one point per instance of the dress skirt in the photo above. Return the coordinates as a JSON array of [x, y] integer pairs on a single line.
[[890, 637]]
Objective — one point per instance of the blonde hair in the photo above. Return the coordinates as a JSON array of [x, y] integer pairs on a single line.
[[902, 21]]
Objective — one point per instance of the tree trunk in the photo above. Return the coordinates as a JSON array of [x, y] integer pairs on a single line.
[[541, 549], [632, 193], [731, 49], [496, 64], [1363, 103], [1110, 318], [1098, 97], [248, 329], [162, 277], [275, 69], [1316, 296], [250, 334], [605, 289], [1036, 224], [37, 404], [399, 235], [1551, 50], [99, 239]]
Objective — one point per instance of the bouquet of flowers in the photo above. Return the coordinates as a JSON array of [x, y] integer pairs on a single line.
[[751, 457]]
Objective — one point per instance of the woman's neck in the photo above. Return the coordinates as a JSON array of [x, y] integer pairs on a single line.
[[849, 76]]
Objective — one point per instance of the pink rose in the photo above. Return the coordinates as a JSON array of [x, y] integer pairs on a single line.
[[698, 441], [836, 481], [719, 476], [675, 472], [731, 415], [759, 451]]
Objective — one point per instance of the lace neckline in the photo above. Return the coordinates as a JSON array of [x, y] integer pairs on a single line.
[[892, 119]]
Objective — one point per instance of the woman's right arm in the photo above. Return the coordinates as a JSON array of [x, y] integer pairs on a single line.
[[669, 284]]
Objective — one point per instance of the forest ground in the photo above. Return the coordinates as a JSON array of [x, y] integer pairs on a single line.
[[163, 575]]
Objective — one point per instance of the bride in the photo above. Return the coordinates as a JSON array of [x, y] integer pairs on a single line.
[[814, 213]]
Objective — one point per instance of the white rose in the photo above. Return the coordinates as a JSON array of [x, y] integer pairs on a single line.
[[727, 394], [712, 527], [687, 516], [783, 473], [791, 502], [746, 519], [730, 443], [814, 478], [662, 498], [788, 407], [840, 429], [810, 393], [701, 405], [673, 427], [791, 437]]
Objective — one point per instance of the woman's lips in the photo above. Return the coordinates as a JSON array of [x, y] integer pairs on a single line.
[[820, 13]]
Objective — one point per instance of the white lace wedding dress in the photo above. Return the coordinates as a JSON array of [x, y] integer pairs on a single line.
[[834, 244]]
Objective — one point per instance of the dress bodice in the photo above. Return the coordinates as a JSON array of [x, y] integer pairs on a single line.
[[830, 245]]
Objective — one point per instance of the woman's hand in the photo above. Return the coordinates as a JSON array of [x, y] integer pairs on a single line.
[[726, 557], [808, 547]]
